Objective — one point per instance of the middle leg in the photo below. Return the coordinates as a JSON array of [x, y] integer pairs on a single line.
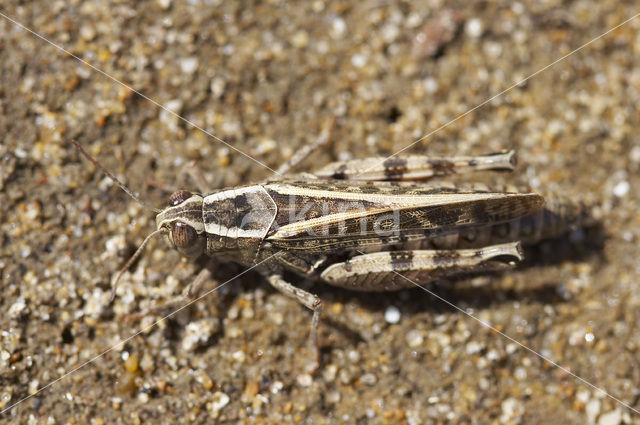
[[309, 300]]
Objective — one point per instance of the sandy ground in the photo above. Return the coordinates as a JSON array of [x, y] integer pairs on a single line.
[[265, 78]]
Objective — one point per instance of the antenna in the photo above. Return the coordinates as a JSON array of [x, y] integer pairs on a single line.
[[133, 258], [112, 177], [136, 198]]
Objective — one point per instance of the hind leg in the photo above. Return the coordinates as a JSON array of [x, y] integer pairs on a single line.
[[392, 270], [416, 167]]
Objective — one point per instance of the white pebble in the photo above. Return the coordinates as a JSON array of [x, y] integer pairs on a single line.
[[338, 28], [368, 379], [511, 348], [189, 65], [589, 337], [174, 105], [392, 314], [198, 332], [635, 154], [300, 39], [218, 401], [16, 308], [583, 395], [87, 32], [304, 380], [217, 86], [20, 153], [276, 387], [330, 372], [354, 356], [611, 418], [621, 189], [414, 338], [474, 347], [33, 386], [238, 356], [115, 244], [333, 397], [511, 408], [474, 28], [592, 409], [520, 373], [358, 60], [390, 33], [143, 398], [517, 8], [430, 85]]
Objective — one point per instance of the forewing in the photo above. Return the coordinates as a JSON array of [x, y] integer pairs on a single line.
[[323, 217]]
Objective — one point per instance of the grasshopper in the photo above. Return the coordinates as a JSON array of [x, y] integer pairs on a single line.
[[364, 224]]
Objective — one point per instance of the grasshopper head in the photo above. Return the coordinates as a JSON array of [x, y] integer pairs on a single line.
[[182, 220]]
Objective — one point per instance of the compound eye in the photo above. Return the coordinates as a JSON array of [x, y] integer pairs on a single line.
[[184, 236], [179, 197]]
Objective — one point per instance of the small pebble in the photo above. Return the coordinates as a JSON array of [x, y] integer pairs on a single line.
[[474, 347], [203, 379], [330, 372], [87, 32], [358, 60], [33, 386], [474, 28], [5, 397], [511, 409], [354, 356], [239, 356], [174, 105], [392, 314], [300, 39], [189, 65], [251, 389], [621, 189], [589, 337], [4, 358], [218, 401], [131, 363], [338, 28], [336, 308], [520, 373], [126, 384], [17, 307], [430, 85], [198, 332], [368, 379], [304, 380], [592, 409], [276, 387], [333, 397], [217, 87], [611, 418], [115, 244], [414, 338]]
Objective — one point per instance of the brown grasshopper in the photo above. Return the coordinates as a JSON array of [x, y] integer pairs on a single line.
[[364, 224]]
